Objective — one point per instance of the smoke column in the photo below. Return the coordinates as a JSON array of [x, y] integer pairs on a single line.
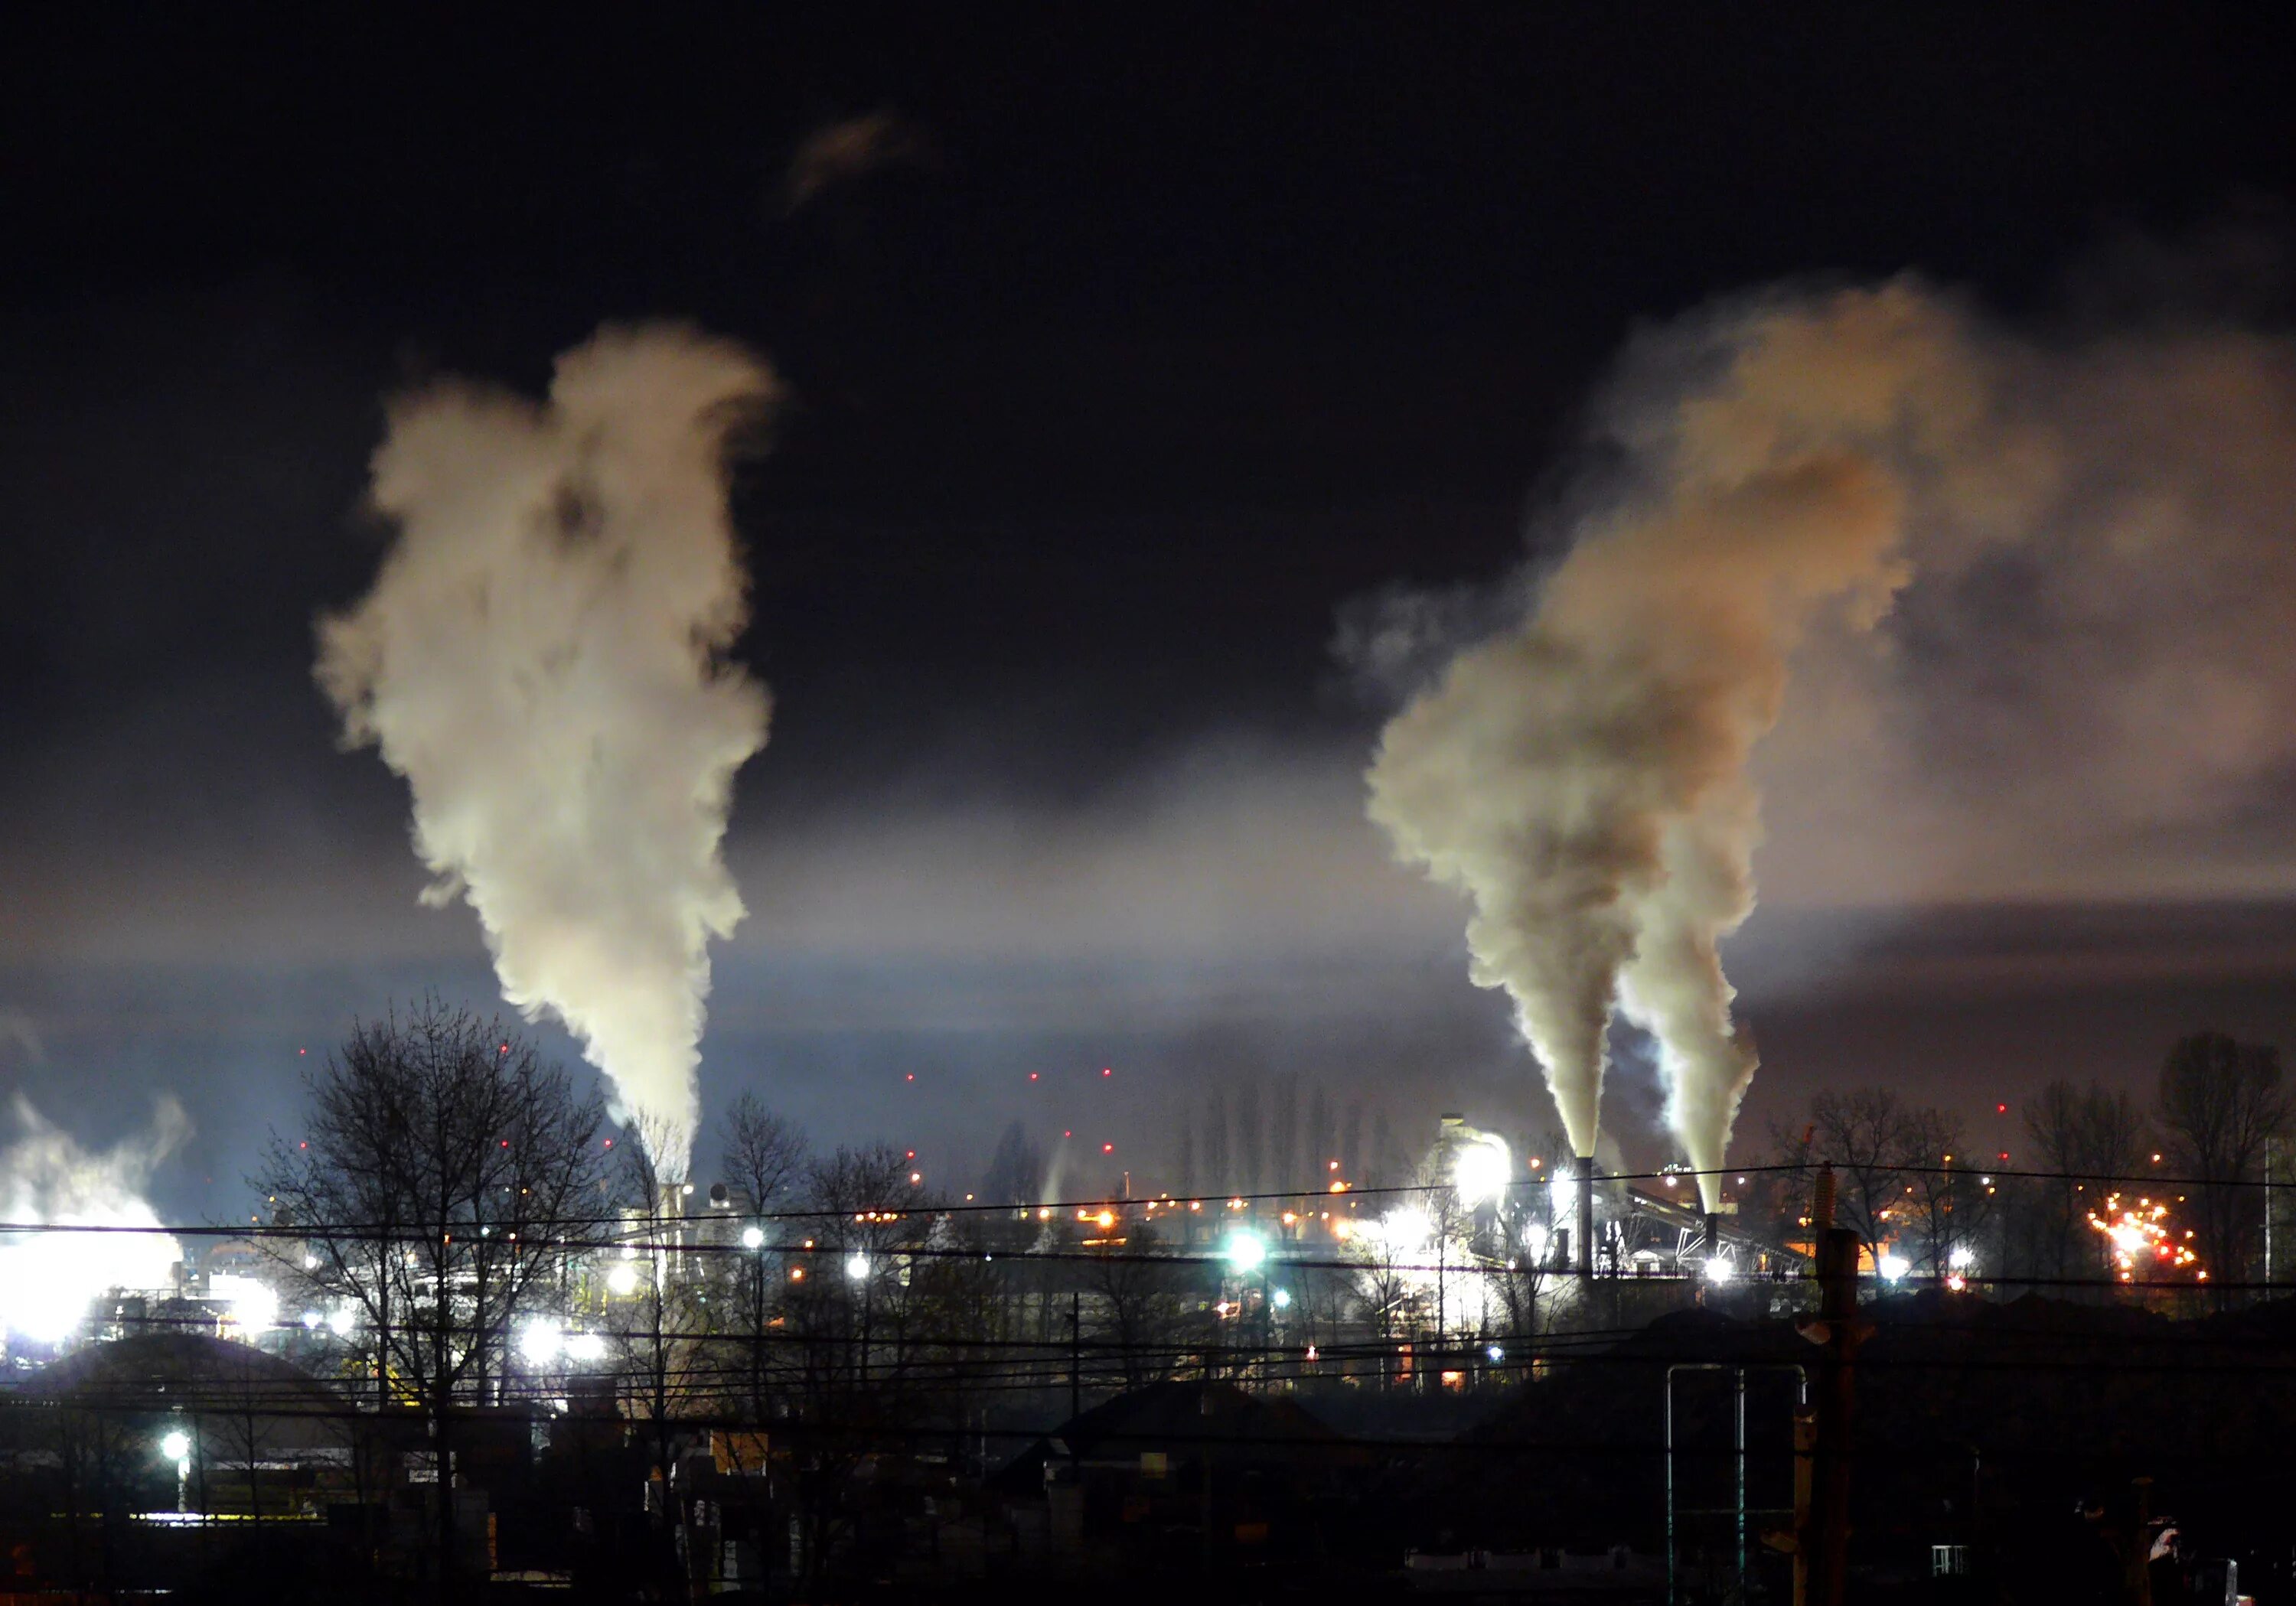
[[543, 657], [49, 1279], [1582, 777]]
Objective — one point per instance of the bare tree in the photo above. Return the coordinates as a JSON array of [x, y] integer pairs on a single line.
[[763, 1155], [2220, 1102], [1143, 1298], [2091, 1143], [445, 1176], [1865, 1135], [1948, 1201]]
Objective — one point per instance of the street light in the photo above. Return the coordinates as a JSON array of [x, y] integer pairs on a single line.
[[857, 1266], [753, 1238], [177, 1446], [1244, 1251]]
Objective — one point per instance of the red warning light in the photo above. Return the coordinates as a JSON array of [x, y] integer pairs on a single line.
[[912, 1075], [304, 1144], [505, 1048], [1066, 1133], [1108, 1148], [2004, 1154], [2001, 1109], [610, 1142], [911, 1155], [1107, 1071], [302, 1051], [1032, 1076], [505, 1142]]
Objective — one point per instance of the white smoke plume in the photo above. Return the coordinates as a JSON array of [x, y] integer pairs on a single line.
[[49, 1279], [543, 658], [1583, 777], [2039, 592]]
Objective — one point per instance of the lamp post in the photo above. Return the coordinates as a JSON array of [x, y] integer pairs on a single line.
[[753, 1239], [177, 1446]]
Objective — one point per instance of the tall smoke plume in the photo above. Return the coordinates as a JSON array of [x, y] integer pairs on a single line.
[[543, 658], [1583, 776], [2038, 590]]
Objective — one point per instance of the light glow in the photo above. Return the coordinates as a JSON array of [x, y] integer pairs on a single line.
[[1244, 1251], [1481, 1171]]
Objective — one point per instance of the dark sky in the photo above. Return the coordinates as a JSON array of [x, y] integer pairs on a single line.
[[1151, 343]]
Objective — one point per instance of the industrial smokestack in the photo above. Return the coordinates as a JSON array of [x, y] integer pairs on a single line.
[[1713, 1234], [545, 658], [1586, 1228]]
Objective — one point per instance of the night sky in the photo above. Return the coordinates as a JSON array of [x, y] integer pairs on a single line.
[[1132, 358]]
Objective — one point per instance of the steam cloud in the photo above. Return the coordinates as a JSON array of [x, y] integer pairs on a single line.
[[49, 1279], [2038, 591], [543, 657]]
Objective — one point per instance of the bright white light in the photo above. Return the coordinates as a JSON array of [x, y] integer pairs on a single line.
[[857, 1266], [1481, 1171], [1535, 1239], [1562, 1189], [311, 1320], [1719, 1269], [1494, 1354], [622, 1281], [540, 1342], [342, 1321], [1244, 1251], [254, 1304], [1894, 1266], [1283, 1299], [1406, 1232], [1962, 1258], [310, 1263], [49, 1279], [176, 1446], [753, 1238], [585, 1347]]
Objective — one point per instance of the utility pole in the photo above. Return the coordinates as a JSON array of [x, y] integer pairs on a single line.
[[1822, 1435]]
